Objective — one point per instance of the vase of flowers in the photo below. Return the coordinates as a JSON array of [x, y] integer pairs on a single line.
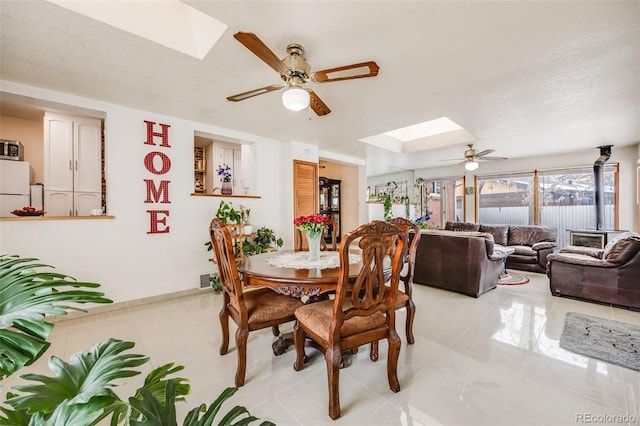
[[224, 171], [313, 225]]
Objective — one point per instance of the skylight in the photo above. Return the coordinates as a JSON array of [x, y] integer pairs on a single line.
[[170, 23], [431, 134], [425, 129]]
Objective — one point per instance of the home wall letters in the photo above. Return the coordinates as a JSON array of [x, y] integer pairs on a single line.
[[157, 193]]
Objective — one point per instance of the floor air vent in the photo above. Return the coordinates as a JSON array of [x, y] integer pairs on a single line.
[[204, 281]]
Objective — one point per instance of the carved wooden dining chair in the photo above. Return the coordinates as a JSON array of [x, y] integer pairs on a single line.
[[362, 311], [405, 296], [250, 310]]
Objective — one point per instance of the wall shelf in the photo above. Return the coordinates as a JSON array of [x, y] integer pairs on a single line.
[[225, 196], [199, 170]]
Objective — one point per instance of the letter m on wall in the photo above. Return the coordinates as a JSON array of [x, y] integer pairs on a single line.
[[155, 193]]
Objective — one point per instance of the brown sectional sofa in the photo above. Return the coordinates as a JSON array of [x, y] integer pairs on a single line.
[[532, 244], [610, 275], [465, 262]]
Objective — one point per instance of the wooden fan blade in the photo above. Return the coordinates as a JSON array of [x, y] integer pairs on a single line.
[[254, 44], [492, 158], [485, 152], [254, 92], [348, 72], [317, 105]]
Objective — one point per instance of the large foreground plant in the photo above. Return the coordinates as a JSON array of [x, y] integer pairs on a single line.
[[81, 391]]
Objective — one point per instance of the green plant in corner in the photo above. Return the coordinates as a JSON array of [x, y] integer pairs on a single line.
[[266, 238], [227, 214], [387, 203], [81, 392], [214, 281]]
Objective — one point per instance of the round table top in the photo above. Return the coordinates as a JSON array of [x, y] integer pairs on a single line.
[[258, 272], [258, 266]]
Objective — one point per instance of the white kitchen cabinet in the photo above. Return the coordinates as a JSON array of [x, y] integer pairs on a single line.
[[72, 164], [65, 203], [58, 203], [84, 202]]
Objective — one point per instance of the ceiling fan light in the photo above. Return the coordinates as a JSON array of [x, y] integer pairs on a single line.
[[295, 99], [471, 165]]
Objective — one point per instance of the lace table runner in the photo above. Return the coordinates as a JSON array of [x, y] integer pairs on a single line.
[[300, 260]]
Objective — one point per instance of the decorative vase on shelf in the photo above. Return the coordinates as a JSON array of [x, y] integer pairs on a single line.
[[313, 241], [227, 188]]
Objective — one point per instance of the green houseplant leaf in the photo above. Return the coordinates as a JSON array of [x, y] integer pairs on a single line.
[[81, 391], [27, 295], [89, 375]]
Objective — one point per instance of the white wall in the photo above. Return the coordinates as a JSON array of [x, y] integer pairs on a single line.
[[118, 253]]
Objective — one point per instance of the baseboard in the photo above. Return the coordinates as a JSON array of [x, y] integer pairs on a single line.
[[125, 305]]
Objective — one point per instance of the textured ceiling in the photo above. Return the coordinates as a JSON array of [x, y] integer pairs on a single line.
[[523, 77]]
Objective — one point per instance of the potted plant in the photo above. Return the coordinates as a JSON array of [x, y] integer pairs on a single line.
[[266, 238], [245, 220], [387, 203], [82, 390], [227, 214]]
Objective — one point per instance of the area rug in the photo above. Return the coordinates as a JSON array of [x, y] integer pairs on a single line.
[[612, 341], [512, 278]]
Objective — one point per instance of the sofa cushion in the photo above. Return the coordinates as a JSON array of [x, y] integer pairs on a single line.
[[488, 238], [622, 248], [500, 233], [543, 245], [519, 258], [524, 250], [461, 226], [588, 251], [524, 235], [579, 259]]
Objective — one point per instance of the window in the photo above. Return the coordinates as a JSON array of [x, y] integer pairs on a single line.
[[442, 200], [560, 198], [506, 199], [567, 199]]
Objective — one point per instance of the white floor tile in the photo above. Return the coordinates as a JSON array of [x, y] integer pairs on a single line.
[[493, 360]]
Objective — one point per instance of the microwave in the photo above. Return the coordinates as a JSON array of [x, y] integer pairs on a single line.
[[11, 150]]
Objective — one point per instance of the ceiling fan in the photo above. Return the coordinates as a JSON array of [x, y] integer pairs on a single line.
[[471, 157], [295, 71]]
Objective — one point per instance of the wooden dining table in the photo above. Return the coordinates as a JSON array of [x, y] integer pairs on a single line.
[[296, 282], [257, 271]]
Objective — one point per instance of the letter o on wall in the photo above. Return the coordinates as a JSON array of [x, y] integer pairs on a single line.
[[151, 164]]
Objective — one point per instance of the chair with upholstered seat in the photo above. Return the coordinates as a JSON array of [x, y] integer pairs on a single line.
[[405, 296], [250, 310], [362, 311]]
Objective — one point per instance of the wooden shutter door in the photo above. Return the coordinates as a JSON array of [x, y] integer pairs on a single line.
[[305, 192]]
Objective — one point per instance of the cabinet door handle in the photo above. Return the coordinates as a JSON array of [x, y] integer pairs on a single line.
[[76, 164], [70, 213], [70, 166]]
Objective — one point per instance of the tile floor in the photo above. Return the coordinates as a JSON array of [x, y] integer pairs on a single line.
[[494, 360]]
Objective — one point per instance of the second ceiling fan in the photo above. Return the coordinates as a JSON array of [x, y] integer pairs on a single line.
[[295, 71], [471, 157]]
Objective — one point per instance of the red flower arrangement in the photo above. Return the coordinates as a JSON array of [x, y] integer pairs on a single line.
[[313, 224]]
